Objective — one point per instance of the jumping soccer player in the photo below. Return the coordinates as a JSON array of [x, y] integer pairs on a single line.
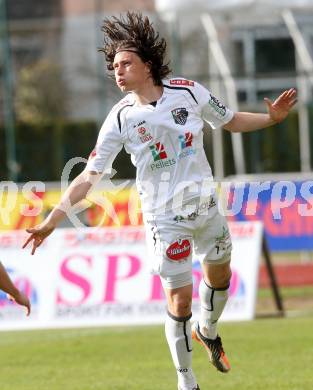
[[160, 123], [14, 294]]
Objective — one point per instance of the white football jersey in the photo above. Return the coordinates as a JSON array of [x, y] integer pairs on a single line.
[[165, 141]]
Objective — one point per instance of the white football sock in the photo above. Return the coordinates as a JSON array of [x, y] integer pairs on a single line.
[[213, 301], [178, 335]]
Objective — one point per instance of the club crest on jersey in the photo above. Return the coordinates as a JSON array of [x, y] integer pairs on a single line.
[[180, 115], [179, 250]]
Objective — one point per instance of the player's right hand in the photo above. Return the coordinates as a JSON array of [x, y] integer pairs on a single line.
[[38, 234]]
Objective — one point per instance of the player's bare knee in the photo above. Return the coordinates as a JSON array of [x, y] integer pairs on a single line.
[[180, 306], [218, 276], [223, 280]]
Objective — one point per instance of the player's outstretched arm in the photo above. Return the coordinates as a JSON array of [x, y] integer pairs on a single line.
[[13, 293], [277, 111], [76, 192]]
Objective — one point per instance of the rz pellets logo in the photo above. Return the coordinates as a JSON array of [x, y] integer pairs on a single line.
[[160, 159], [158, 152]]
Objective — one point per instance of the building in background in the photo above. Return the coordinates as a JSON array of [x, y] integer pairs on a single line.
[[58, 39], [67, 32]]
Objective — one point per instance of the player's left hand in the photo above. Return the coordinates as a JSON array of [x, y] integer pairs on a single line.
[[279, 110], [22, 300]]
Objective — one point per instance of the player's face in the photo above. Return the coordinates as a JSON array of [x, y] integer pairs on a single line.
[[131, 73]]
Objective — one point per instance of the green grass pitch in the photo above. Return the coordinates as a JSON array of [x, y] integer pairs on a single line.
[[271, 354]]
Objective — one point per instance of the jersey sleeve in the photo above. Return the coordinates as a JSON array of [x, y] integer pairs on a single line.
[[109, 144], [213, 111]]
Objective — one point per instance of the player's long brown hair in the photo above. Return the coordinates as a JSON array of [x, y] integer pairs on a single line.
[[135, 31]]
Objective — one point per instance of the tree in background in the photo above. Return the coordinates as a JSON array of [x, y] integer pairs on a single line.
[[41, 93], [41, 104]]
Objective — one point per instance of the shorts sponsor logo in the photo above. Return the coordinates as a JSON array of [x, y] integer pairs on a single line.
[[217, 106], [182, 82], [179, 218], [179, 250], [180, 115], [200, 210], [222, 242]]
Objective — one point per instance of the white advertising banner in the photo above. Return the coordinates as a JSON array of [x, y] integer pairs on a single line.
[[94, 276]]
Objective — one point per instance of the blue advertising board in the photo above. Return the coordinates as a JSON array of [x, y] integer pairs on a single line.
[[284, 207]]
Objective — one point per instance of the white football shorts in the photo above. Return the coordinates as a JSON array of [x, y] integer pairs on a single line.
[[174, 240]]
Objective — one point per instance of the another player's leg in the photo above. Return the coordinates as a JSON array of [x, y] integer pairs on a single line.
[[178, 333], [213, 293]]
